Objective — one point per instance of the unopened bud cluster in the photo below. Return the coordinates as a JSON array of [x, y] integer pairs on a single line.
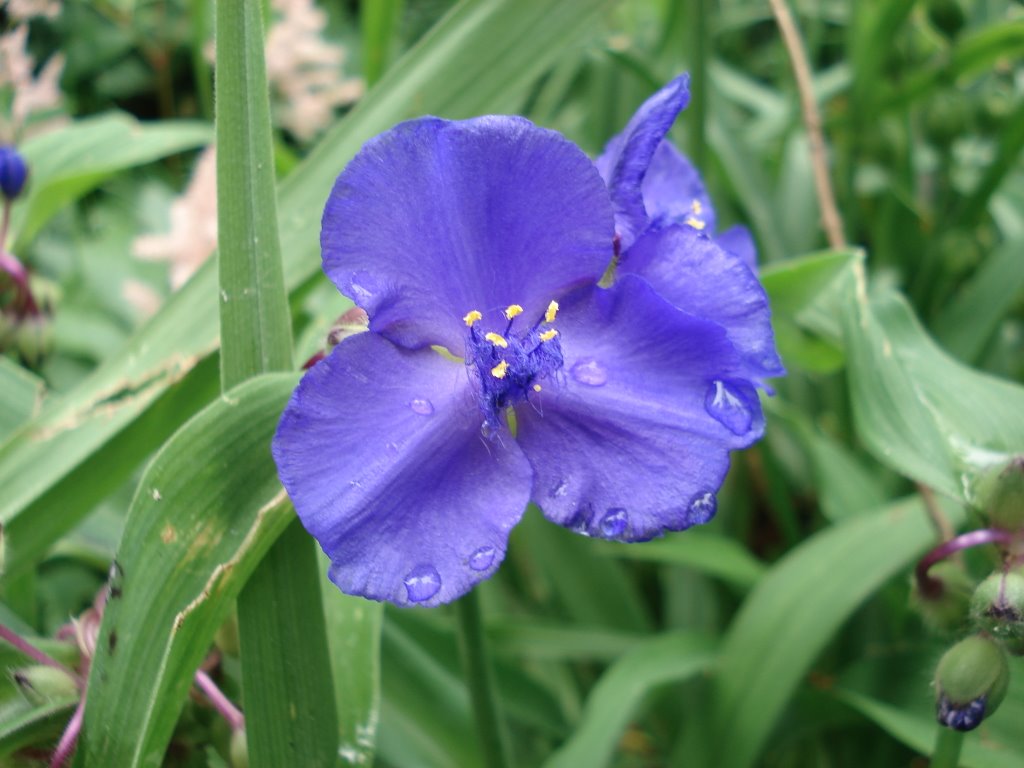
[[972, 677], [26, 300]]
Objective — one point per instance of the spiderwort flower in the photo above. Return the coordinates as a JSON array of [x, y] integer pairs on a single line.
[[475, 248]]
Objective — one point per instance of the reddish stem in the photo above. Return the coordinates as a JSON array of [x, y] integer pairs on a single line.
[[69, 739], [34, 653], [932, 588], [220, 702]]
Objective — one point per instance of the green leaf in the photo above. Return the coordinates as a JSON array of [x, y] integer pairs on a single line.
[[795, 609], [843, 484], [289, 700], [66, 163], [379, 24], [669, 658], [709, 553], [969, 320], [558, 642], [800, 291], [353, 638], [206, 511], [40, 725], [918, 410], [21, 395]]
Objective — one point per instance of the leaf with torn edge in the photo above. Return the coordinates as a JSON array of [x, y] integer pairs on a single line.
[[206, 510]]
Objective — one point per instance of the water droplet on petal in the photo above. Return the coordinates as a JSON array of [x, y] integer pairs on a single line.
[[590, 372], [361, 287], [422, 406], [481, 559], [422, 583], [703, 508], [614, 523], [728, 409]]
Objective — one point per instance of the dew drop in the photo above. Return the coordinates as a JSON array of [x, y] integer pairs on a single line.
[[590, 372], [728, 409], [422, 406], [703, 508], [481, 559], [614, 523], [360, 287], [422, 583]]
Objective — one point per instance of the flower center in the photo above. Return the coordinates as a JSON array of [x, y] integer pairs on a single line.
[[509, 365]]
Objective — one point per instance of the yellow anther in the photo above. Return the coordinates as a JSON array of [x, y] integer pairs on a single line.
[[548, 335], [512, 311], [549, 316], [499, 370], [472, 317], [696, 223], [696, 207], [536, 387], [496, 340]]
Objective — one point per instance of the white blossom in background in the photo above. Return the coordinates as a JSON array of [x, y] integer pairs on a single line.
[[305, 71], [307, 84], [141, 297], [33, 95], [23, 10], [193, 235]]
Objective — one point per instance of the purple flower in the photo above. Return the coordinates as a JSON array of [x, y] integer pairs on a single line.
[[653, 185], [476, 248]]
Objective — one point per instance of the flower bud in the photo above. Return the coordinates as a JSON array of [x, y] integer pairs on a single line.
[[34, 339], [226, 637], [970, 682], [239, 749], [997, 606], [13, 172], [947, 609], [41, 684], [1000, 493]]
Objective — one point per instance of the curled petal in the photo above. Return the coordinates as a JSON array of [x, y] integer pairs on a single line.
[[693, 273], [628, 156], [635, 440], [674, 192], [381, 453], [434, 219]]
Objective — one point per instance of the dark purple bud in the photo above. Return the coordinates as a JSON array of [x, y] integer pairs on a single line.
[[970, 682], [997, 606], [13, 172]]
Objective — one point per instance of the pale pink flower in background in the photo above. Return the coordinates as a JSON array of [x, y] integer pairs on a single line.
[[22, 10], [305, 71], [33, 95], [193, 235], [141, 297]]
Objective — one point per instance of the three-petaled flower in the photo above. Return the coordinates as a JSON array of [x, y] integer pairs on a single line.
[[497, 371]]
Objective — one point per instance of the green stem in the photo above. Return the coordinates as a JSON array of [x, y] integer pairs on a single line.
[[947, 748], [480, 681], [697, 43]]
